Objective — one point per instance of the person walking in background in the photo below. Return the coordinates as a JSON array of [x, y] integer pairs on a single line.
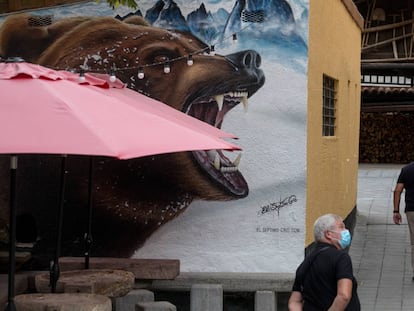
[[406, 181], [325, 280]]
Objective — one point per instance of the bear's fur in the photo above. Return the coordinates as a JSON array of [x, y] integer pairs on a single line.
[[137, 196]]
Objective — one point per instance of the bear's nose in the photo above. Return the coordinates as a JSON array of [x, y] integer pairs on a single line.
[[243, 60], [251, 59]]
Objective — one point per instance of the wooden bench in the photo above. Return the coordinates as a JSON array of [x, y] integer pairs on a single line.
[[144, 269]]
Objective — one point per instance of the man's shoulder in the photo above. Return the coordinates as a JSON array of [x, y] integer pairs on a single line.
[[408, 169], [408, 166], [332, 253]]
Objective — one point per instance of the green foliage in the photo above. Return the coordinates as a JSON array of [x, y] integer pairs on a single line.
[[116, 3]]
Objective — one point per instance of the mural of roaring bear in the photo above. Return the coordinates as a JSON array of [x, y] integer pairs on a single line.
[[131, 198]]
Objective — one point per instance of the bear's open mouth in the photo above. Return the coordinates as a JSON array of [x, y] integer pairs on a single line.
[[220, 168]]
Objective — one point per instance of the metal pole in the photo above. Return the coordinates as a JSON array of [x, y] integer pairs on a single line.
[[12, 233], [54, 267], [88, 235]]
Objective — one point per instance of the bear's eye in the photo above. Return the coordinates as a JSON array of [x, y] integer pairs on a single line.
[[160, 59]]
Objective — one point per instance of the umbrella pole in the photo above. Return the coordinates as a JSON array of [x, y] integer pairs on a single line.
[[54, 268], [88, 235], [12, 233]]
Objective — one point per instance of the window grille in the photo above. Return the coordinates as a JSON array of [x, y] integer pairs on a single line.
[[329, 106], [252, 16], [39, 21]]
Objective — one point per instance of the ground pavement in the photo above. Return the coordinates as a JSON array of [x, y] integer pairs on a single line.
[[380, 249]]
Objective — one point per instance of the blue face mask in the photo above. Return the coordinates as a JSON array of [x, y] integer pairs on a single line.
[[345, 240]]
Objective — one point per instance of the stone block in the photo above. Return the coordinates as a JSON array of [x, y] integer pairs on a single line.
[[128, 302], [155, 306], [265, 301], [206, 297]]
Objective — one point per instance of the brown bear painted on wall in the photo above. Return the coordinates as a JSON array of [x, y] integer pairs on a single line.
[[132, 198]]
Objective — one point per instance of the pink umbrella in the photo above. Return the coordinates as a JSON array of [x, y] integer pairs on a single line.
[[50, 112], [47, 111]]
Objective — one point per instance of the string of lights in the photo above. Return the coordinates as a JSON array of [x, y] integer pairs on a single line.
[[141, 68], [167, 63], [211, 50]]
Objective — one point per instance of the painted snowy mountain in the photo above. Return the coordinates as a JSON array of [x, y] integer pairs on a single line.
[[271, 27], [166, 14], [270, 21], [205, 25]]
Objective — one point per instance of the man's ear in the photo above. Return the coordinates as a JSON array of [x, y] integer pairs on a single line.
[[328, 235]]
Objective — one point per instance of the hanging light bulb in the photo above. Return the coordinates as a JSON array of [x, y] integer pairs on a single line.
[[234, 38], [190, 61], [112, 76], [167, 68], [82, 76], [141, 74], [212, 51]]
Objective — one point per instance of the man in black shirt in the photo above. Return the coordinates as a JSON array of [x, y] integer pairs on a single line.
[[406, 181], [325, 280]]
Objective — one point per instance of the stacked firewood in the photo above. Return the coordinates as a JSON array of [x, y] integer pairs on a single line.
[[386, 137]]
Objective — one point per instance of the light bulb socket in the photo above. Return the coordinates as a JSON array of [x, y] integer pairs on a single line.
[[112, 76], [167, 68], [141, 74], [82, 76], [190, 61]]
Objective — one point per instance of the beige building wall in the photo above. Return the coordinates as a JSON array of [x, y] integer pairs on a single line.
[[332, 162]]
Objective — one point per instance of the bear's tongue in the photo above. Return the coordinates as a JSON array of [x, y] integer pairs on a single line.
[[224, 171], [213, 109]]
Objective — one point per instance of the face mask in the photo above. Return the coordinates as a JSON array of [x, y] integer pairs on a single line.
[[345, 240]]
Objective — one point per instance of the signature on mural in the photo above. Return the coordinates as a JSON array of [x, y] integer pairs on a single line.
[[277, 206], [278, 230]]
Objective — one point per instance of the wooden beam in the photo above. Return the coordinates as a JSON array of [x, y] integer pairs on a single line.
[[353, 11], [386, 60], [386, 42], [388, 26], [386, 108]]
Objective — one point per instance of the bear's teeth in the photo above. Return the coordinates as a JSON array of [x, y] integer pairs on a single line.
[[245, 103], [219, 101], [217, 161], [228, 169], [236, 162]]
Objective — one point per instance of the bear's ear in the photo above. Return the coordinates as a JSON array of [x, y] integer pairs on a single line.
[[28, 36], [136, 20], [20, 37]]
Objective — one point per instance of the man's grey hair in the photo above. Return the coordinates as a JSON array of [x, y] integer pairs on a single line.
[[324, 223]]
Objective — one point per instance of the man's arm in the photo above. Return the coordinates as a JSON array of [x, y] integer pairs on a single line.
[[295, 301], [343, 295], [399, 187]]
